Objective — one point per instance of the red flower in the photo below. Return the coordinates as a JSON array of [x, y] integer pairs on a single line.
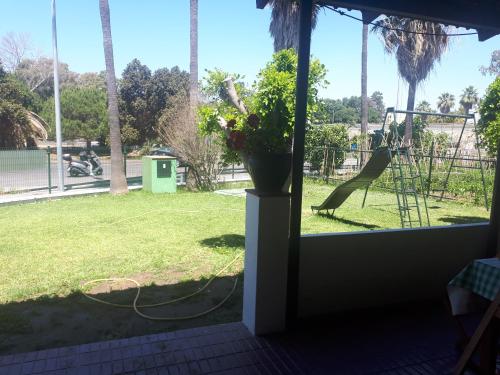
[[253, 120], [236, 140], [231, 123]]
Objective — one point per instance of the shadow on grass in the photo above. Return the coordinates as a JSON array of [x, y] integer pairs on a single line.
[[349, 222], [232, 241], [52, 321], [463, 219]]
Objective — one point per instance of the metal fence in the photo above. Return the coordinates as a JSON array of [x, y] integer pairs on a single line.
[[465, 180], [36, 169]]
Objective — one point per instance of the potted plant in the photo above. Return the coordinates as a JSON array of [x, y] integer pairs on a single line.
[[257, 125], [265, 149]]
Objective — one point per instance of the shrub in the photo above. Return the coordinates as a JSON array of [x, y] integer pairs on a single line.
[[489, 124], [330, 136]]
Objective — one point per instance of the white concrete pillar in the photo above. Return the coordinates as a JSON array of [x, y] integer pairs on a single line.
[[266, 262]]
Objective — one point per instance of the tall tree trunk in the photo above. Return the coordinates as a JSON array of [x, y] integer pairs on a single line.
[[364, 94], [410, 106], [193, 64], [118, 179]]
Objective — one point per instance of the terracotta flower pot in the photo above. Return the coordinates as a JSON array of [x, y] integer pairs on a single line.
[[270, 172]]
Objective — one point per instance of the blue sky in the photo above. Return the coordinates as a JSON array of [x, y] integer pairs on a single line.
[[233, 36]]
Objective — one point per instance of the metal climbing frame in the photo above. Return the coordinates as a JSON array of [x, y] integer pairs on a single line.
[[406, 176], [453, 159], [457, 146]]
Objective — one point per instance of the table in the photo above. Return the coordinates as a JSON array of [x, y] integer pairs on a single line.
[[480, 278]]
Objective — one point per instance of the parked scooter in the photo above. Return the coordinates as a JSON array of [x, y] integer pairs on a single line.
[[88, 165]]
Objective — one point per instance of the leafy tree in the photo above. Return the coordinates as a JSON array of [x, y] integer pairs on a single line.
[[333, 137], [215, 89], [134, 107], [494, 67], [417, 45], [118, 179], [166, 83], [446, 102], [14, 48], [345, 111], [377, 103], [16, 130], [144, 96], [92, 80], [275, 91], [469, 98], [352, 102], [272, 98], [489, 124], [83, 114], [38, 74], [347, 115], [440, 142], [326, 111]]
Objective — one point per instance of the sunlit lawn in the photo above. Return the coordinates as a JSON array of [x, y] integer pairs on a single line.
[[173, 241], [380, 212]]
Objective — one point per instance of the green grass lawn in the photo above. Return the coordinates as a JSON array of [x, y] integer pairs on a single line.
[[171, 243], [380, 212]]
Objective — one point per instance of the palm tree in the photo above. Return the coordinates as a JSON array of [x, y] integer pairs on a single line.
[[446, 102], [424, 106], [118, 179], [284, 27], [193, 65], [364, 91], [418, 45], [469, 98]]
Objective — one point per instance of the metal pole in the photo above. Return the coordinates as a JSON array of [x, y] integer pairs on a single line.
[[453, 159], [49, 170], [430, 169], [298, 158], [478, 146], [57, 102]]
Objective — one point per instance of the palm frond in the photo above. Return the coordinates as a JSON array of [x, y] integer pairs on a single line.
[[417, 44], [284, 26]]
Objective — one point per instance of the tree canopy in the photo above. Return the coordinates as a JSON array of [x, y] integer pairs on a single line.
[[145, 95], [494, 67], [83, 113], [489, 124], [15, 126], [348, 110]]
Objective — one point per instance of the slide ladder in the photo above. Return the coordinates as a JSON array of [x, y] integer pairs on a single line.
[[406, 176]]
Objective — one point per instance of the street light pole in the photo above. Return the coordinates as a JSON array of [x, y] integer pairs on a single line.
[[57, 102]]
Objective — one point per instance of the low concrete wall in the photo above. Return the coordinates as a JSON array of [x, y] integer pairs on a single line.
[[346, 271]]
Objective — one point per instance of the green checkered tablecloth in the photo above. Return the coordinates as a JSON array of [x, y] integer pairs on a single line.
[[481, 277]]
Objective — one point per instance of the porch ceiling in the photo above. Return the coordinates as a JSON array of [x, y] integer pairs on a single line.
[[482, 15]]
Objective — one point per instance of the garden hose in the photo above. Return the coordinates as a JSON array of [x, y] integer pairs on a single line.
[[134, 304], [136, 307]]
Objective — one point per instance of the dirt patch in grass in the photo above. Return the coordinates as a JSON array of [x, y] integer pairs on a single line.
[[53, 322]]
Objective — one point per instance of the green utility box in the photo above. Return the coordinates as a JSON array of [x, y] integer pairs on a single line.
[[159, 174]]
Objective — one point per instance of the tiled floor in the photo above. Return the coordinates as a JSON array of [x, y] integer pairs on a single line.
[[413, 339]]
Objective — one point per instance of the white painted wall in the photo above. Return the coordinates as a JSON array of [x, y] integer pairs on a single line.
[[345, 271]]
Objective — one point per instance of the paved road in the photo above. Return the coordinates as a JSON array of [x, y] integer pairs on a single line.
[[37, 177]]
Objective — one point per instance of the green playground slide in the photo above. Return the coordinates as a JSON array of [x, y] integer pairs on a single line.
[[371, 171]]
